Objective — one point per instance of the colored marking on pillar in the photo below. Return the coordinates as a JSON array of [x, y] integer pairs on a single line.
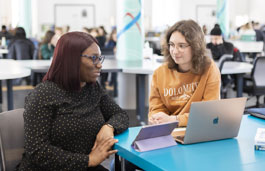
[[130, 24]]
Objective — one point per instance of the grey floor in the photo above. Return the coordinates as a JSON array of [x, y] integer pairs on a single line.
[[19, 96]]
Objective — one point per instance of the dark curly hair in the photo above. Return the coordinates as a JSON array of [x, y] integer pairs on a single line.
[[195, 38]]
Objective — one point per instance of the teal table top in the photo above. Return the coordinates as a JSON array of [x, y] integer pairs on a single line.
[[230, 154]]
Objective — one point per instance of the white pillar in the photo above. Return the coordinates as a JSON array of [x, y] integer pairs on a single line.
[[127, 91], [130, 40], [130, 31], [223, 16], [21, 15]]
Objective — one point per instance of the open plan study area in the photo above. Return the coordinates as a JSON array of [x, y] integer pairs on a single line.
[[132, 85]]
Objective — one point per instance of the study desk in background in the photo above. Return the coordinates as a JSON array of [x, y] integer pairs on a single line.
[[239, 69], [37, 67], [42, 66], [249, 46], [9, 70], [3, 53], [236, 154]]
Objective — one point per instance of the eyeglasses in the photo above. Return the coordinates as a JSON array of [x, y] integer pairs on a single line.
[[95, 59], [181, 47]]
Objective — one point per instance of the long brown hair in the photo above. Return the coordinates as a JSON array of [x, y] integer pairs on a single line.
[[195, 38], [48, 37], [65, 67]]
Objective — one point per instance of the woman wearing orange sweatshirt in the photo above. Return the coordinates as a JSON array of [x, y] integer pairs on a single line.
[[188, 75]]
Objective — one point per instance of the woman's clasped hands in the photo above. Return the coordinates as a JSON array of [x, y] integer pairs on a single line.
[[102, 148], [161, 117]]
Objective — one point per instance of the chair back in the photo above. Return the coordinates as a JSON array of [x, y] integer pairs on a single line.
[[223, 59], [238, 56], [258, 72], [11, 138]]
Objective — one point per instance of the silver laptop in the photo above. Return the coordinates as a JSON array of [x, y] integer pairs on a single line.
[[212, 120]]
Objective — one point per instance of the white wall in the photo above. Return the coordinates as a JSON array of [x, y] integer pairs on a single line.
[[105, 11], [43, 11], [188, 7], [256, 10], [165, 12], [147, 14], [246, 10], [5, 12]]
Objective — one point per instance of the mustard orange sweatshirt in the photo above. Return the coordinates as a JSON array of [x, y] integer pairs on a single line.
[[172, 92]]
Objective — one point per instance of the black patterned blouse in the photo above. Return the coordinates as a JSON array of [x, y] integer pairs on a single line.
[[61, 126]]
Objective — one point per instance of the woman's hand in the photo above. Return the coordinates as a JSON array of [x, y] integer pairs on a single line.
[[101, 151], [161, 117], [104, 133]]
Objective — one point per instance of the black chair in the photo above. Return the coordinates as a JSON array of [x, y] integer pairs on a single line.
[[254, 85], [226, 80], [238, 56], [107, 52]]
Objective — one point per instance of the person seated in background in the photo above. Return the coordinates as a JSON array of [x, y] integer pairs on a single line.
[[187, 76], [101, 37], [46, 47], [110, 46], [94, 32], [69, 119], [58, 33], [218, 46], [247, 33], [86, 30], [6, 34], [260, 36], [20, 47]]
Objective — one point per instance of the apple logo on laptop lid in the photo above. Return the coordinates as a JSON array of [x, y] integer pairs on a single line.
[[216, 120]]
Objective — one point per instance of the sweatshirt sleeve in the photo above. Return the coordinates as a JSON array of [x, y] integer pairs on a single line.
[[38, 117], [155, 102], [46, 53], [213, 84]]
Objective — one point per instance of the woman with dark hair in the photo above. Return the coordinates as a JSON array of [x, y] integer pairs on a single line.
[[69, 119], [187, 76], [20, 47], [112, 39], [46, 47], [101, 37]]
